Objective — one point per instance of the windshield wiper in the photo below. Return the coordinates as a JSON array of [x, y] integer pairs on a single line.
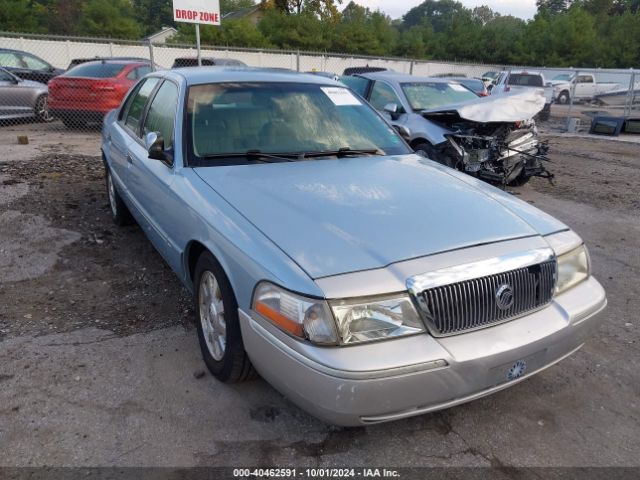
[[254, 155], [342, 152]]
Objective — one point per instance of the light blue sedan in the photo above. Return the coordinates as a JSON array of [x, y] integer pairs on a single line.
[[364, 282]]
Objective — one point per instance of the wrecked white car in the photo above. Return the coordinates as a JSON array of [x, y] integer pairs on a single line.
[[493, 138]]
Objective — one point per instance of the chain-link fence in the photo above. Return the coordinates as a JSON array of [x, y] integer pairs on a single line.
[[79, 98]]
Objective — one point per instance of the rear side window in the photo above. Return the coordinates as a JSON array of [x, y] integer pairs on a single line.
[[96, 70], [35, 63], [357, 84], [162, 112], [138, 101], [525, 80]]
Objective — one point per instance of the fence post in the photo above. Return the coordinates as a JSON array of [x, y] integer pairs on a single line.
[[68, 49], [411, 67], [628, 104], [574, 83], [151, 55], [111, 49], [298, 61]]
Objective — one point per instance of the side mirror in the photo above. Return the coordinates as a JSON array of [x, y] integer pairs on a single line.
[[403, 131], [154, 143], [393, 110]]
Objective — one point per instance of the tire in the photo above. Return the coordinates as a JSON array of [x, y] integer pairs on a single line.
[[42, 109], [74, 123], [520, 179], [425, 149], [217, 323], [119, 211], [564, 98]]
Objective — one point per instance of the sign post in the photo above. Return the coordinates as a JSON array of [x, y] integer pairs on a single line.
[[206, 12]]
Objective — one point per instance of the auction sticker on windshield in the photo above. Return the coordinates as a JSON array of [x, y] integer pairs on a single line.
[[340, 96]]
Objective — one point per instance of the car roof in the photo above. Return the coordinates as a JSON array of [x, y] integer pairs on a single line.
[[202, 75], [401, 77]]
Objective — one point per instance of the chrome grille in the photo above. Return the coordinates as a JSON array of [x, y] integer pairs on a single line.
[[473, 304]]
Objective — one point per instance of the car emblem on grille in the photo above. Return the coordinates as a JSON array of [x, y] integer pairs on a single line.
[[517, 370], [504, 297]]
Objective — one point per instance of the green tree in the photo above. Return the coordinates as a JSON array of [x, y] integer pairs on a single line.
[[110, 18], [153, 14], [22, 16]]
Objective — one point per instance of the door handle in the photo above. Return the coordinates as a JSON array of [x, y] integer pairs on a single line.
[[129, 158]]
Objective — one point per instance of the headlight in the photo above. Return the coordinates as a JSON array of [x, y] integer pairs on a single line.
[[365, 320], [573, 268], [303, 317]]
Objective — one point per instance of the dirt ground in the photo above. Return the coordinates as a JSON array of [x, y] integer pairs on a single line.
[[99, 363]]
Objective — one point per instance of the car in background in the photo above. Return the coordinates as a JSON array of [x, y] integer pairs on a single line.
[[584, 87], [489, 78], [474, 84], [85, 93], [366, 283], [79, 61], [522, 80], [449, 75], [27, 66], [492, 139], [22, 98], [182, 62]]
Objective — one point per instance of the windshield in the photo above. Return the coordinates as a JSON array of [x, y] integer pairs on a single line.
[[96, 70], [427, 95], [235, 118]]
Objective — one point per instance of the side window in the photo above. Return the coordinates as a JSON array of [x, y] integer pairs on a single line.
[[162, 112], [5, 77], [35, 63], [381, 94], [584, 79], [357, 84], [8, 59], [135, 109]]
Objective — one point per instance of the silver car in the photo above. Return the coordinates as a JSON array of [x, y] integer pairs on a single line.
[[22, 98], [363, 281]]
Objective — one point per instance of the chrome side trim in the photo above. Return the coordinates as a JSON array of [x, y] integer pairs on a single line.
[[469, 271]]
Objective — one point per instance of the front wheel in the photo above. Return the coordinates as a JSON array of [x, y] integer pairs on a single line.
[[119, 211], [425, 149], [563, 98], [218, 325]]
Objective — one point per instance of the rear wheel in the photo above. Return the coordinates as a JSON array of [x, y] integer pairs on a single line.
[[42, 109], [218, 325]]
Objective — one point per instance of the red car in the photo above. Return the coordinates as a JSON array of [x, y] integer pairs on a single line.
[[87, 92]]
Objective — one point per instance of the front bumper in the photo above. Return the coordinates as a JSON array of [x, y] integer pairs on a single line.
[[395, 379]]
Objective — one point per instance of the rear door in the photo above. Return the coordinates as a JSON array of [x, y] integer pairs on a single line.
[[150, 180]]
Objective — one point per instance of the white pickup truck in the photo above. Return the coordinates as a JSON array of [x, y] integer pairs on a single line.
[[586, 87], [519, 80]]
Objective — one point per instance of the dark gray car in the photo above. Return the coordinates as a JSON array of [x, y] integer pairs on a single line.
[[22, 98]]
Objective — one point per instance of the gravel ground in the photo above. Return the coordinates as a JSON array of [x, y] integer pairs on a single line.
[[99, 363]]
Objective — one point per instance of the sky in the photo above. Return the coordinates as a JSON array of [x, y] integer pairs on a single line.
[[396, 8]]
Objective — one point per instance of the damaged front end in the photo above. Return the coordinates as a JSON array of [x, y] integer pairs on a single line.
[[504, 153], [494, 139]]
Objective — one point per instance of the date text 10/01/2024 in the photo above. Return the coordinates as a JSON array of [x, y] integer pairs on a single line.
[[315, 473]]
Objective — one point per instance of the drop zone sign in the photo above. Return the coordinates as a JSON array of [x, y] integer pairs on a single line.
[[206, 12]]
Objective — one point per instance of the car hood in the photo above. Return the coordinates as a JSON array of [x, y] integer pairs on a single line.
[[509, 107], [342, 215]]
